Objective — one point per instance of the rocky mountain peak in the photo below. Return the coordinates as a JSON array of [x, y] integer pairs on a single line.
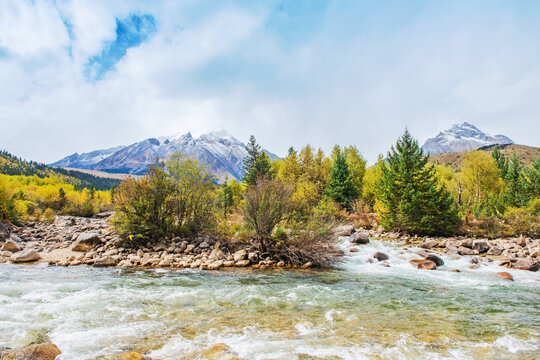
[[462, 137]]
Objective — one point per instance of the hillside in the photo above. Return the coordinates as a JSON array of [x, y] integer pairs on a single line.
[[526, 155], [12, 165]]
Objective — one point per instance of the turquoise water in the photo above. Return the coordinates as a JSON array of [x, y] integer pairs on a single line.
[[360, 311]]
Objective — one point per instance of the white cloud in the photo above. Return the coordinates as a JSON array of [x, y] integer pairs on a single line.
[[347, 82]]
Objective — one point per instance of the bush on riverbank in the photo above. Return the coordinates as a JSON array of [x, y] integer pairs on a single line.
[[176, 197]]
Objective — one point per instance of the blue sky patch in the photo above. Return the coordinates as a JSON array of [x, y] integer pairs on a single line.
[[130, 32]]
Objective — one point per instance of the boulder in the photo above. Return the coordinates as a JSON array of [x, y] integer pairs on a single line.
[[32, 352], [437, 260], [105, 261], [468, 243], [253, 257], [242, 263], [462, 250], [424, 264], [26, 255], [481, 246], [86, 242], [219, 351], [380, 256], [11, 246], [505, 275], [215, 265], [133, 355], [240, 255], [216, 254], [527, 264], [4, 231], [521, 241], [359, 237], [494, 250], [343, 230], [429, 244], [353, 249]]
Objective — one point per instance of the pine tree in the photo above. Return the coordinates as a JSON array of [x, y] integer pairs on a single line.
[[254, 151], [340, 186], [62, 198], [502, 161], [514, 183], [411, 197], [256, 164], [531, 180], [226, 197]]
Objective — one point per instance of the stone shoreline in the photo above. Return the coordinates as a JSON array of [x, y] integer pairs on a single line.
[[72, 241]]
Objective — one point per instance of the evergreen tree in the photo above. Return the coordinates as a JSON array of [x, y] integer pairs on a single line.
[[340, 186], [226, 197], [256, 164], [62, 198], [254, 151], [531, 180], [502, 161], [411, 197], [514, 193]]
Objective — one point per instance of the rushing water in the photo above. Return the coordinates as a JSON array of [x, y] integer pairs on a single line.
[[361, 311]]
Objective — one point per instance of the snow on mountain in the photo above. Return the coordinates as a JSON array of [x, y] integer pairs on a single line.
[[86, 160], [219, 150], [462, 137]]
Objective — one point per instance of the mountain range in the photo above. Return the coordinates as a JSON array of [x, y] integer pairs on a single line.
[[462, 137], [220, 151]]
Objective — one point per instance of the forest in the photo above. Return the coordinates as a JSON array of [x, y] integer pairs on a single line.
[[297, 199]]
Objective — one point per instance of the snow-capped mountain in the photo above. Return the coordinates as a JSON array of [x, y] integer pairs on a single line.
[[220, 151], [462, 137], [86, 160]]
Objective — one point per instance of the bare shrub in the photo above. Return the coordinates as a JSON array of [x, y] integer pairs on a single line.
[[266, 203], [319, 249]]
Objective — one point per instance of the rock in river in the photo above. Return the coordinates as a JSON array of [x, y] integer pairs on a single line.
[[527, 264], [359, 238], [380, 256], [424, 264], [105, 261], [32, 352], [437, 260], [505, 275], [26, 255]]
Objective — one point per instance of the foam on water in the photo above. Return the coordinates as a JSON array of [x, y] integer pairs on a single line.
[[359, 311]]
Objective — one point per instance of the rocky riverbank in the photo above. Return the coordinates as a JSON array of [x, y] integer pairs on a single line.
[[71, 241]]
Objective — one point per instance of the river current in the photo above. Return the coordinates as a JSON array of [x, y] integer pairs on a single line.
[[360, 310]]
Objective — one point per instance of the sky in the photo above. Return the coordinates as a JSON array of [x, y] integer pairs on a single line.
[[77, 76]]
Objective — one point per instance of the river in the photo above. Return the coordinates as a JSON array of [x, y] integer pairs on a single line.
[[360, 310]]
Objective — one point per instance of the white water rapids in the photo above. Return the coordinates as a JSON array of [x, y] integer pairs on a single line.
[[361, 310]]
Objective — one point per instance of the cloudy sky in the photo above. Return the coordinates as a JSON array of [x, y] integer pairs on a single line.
[[81, 75]]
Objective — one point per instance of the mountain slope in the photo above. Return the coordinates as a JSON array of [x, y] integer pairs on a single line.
[[462, 137], [526, 155], [11, 165], [86, 160], [221, 152]]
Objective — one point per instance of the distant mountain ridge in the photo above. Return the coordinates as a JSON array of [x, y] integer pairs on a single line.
[[462, 137], [220, 151]]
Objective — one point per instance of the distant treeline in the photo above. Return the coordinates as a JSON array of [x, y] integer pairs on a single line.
[[13, 165]]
